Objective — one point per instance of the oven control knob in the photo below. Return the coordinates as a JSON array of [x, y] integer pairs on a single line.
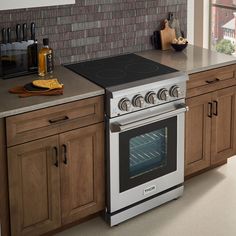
[[151, 98], [163, 94], [125, 104], [175, 91], [138, 101]]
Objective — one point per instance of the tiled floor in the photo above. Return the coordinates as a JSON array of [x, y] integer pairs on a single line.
[[208, 208]]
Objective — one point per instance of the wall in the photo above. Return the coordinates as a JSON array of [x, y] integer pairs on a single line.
[[97, 28]]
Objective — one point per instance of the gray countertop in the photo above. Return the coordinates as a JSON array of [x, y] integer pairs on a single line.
[[191, 60], [75, 88]]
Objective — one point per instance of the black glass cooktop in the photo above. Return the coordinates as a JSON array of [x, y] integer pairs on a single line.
[[119, 69]]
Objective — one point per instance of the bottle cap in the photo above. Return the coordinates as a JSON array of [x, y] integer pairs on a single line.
[[45, 41]]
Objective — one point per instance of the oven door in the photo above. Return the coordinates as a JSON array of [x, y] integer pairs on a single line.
[[146, 155]]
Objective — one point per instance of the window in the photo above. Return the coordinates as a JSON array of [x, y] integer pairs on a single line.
[[223, 26]]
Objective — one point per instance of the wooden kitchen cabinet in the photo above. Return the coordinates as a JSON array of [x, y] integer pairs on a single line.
[[82, 172], [53, 120], [210, 129], [198, 134], [58, 179], [223, 141], [34, 187], [4, 201]]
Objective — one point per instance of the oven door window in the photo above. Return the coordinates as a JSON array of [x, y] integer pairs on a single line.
[[147, 152]]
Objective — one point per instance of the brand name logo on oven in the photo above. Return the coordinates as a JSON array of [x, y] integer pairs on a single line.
[[150, 189]]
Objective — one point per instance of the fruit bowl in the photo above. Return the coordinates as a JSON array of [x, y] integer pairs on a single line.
[[179, 47]]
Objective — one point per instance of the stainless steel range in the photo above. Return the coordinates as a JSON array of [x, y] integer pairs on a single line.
[[145, 110]]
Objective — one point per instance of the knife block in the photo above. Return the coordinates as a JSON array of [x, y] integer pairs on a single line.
[[18, 58]]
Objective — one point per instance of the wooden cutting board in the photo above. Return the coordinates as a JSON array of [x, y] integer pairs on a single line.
[[167, 36], [23, 93]]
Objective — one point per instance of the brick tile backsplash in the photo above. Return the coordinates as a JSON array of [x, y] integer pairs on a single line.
[[97, 28]]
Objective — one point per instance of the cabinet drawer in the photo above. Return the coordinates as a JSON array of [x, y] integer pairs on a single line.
[[49, 121], [211, 80]]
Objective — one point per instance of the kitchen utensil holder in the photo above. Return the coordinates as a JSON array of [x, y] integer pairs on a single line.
[[18, 56]]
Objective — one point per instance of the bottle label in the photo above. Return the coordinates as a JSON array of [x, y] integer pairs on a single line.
[[49, 63]]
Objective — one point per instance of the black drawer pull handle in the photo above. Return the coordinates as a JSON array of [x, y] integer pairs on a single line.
[[53, 121], [56, 156], [210, 109], [64, 154], [212, 81], [215, 112]]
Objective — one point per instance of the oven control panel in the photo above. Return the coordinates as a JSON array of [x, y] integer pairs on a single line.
[[175, 91], [151, 98], [138, 101], [143, 98], [125, 104], [163, 94]]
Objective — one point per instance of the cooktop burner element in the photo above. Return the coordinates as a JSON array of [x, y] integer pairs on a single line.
[[111, 73], [140, 67], [119, 70]]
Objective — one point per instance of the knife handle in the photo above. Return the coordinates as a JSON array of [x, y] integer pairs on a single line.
[[32, 28], [18, 33], [24, 32], [9, 35], [4, 36]]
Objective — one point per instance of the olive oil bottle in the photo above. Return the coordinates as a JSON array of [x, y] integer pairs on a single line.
[[45, 59]]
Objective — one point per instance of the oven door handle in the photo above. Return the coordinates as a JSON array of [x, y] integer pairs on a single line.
[[120, 127]]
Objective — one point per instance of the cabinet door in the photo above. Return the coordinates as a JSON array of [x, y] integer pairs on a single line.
[[82, 172], [34, 189], [198, 134], [223, 142]]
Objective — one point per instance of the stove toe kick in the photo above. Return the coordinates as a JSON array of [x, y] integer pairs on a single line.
[[139, 208]]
